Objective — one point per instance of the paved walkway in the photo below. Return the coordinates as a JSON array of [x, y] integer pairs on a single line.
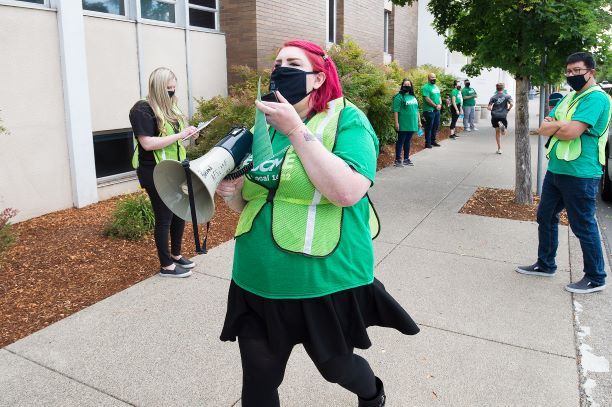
[[490, 337]]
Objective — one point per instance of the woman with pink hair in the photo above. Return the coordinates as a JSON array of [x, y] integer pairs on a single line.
[[303, 261]]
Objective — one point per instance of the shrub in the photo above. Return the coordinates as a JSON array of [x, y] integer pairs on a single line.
[[237, 109], [132, 218], [7, 238]]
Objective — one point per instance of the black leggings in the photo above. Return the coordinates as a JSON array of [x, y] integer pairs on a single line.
[[165, 220], [454, 117], [263, 372]]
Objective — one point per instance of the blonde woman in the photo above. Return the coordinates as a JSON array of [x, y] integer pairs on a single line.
[[159, 128]]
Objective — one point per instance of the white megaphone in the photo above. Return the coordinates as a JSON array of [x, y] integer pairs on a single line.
[[228, 158]]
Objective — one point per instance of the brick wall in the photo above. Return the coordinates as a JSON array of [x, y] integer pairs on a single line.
[[237, 19], [281, 20], [364, 23], [405, 33]]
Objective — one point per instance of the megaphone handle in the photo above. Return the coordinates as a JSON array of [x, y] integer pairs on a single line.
[[194, 216]]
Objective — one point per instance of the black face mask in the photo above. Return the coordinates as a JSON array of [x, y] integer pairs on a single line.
[[458, 87], [467, 84], [577, 82], [170, 93], [405, 89], [432, 81], [290, 82]]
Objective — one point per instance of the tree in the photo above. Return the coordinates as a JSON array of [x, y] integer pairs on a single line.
[[528, 38]]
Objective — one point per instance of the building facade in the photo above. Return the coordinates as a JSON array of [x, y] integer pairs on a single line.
[[255, 29], [72, 70]]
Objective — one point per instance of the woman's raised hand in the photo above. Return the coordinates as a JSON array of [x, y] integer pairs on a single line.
[[282, 116]]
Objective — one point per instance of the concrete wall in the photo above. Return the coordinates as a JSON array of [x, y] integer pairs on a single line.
[[35, 175], [34, 165]]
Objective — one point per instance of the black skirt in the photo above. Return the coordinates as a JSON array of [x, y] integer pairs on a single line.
[[333, 324]]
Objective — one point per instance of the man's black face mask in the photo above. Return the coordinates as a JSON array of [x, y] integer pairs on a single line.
[[290, 82]]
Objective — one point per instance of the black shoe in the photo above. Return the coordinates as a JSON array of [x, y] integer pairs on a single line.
[[435, 144], [534, 270], [584, 286], [184, 263], [408, 162], [428, 147], [178, 272], [379, 400], [453, 136]]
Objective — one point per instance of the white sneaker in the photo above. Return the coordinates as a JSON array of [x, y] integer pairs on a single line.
[[503, 129], [474, 129], [468, 130], [498, 151]]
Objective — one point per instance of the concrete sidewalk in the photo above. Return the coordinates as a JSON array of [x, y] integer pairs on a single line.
[[490, 337]]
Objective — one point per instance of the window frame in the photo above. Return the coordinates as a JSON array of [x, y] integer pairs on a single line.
[[386, 27], [329, 28], [123, 17], [120, 175], [216, 10], [177, 14], [20, 3]]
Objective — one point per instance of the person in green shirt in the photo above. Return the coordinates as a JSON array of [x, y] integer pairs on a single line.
[[469, 106], [315, 187], [456, 101], [407, 121], [431, 110], [578, 127]]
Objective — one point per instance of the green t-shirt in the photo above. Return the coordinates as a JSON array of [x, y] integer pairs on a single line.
[[468, 92], [458, 98], [593, 110], [261, 267], [407, 108], [433, 92]]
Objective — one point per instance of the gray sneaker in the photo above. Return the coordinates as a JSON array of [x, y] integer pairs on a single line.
[[584, 286], [534, 270], [398, 163], [407, 162]]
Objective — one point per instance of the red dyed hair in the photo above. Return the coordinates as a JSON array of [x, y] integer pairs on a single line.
[[321, 62]]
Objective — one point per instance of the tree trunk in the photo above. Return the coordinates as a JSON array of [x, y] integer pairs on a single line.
[[522, 188]]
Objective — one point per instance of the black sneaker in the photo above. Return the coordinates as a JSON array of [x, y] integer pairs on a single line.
[[534, 270], [184, 263], [398, 163], [453, 136], [435, 144], [408, 162], [178, 272], [584, 286], [428, 147]]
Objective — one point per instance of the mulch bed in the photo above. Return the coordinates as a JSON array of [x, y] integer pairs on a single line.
[[62, 262], [499, 203]]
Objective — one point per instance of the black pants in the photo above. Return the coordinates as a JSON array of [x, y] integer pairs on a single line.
[[263, 371], [403, 142], [454, 117], [165, 220]]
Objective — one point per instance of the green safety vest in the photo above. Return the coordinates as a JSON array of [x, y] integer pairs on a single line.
[[170, 152], [303, 221], [570, 150]]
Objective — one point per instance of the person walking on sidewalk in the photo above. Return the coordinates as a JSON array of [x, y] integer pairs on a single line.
[[407, 121], [431, 110], [499, 105], [469, 106], [313, 220], [578, 130], [455, 107], [159, 128]]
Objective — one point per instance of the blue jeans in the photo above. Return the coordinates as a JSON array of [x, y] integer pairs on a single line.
[[403, 142], [432, 122], [578, 197]]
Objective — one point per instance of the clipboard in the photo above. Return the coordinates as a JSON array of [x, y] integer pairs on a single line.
[[201, 126]]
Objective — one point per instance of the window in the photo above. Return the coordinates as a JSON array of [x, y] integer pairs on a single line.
[[203, 13], [105, 6], [331, 21], [34, 1], [386, 40], [160, 10], [113, 153]]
